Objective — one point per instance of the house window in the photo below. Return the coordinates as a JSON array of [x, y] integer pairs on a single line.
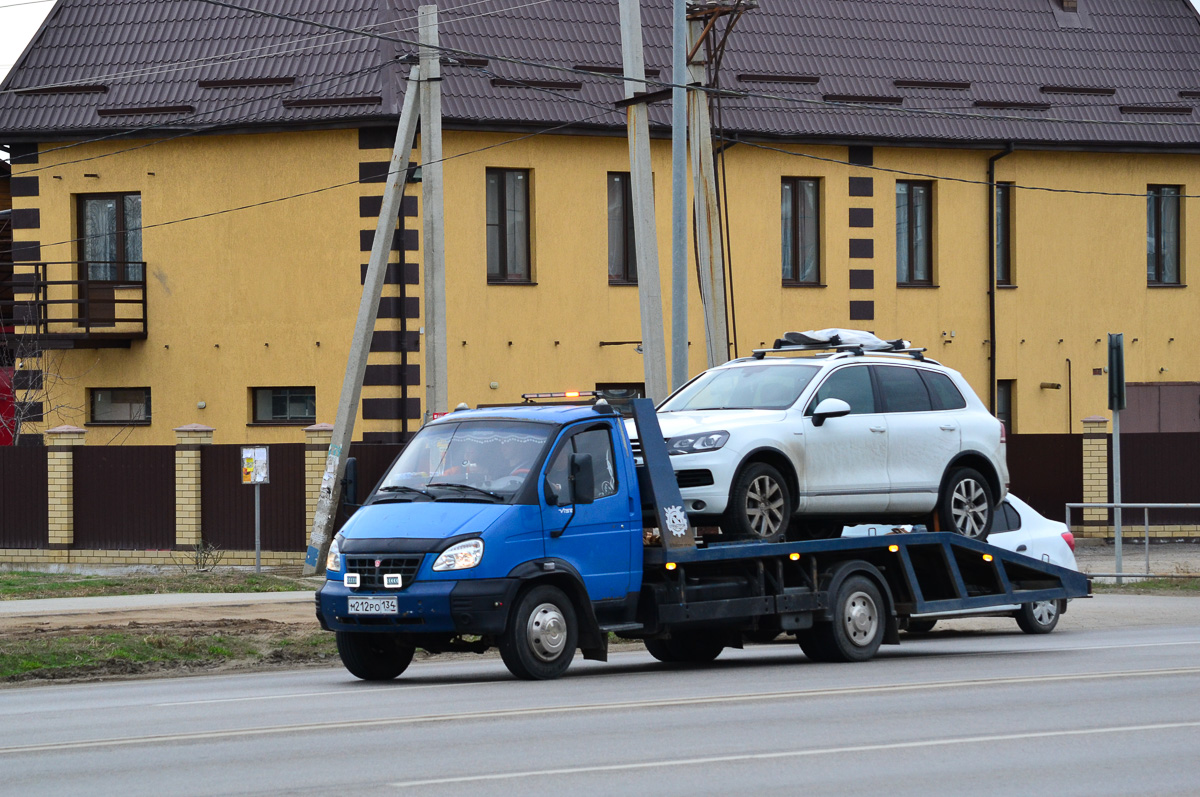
[[120, 405], [1162, 234], [622, 255], [914, 232], [508, 225], [801, 233], [1005, 391], [110, 232], [282, 405], [1004, 197]]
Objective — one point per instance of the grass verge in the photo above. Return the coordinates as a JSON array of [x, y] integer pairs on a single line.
[[21, 585], [1152, 586]]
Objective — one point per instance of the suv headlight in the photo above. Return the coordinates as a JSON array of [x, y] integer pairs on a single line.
[[695, 443], [333, 562], [462, 556]]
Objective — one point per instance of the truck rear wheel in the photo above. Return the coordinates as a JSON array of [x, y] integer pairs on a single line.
[[542, 633], [857, 627], [685, 649], [374, 657], [760, 504]]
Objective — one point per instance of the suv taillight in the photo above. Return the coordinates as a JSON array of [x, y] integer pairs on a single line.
[[1069, 539], [1003, 432]]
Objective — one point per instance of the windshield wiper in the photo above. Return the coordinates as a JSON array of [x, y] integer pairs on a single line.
[[471, 487], [400, 488]]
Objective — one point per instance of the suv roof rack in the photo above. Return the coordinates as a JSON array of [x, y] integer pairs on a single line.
[[843, 349]]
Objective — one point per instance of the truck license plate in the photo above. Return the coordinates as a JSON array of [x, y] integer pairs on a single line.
[[372, 605]]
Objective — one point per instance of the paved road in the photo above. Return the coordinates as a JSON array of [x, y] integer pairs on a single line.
[[1099, 711]]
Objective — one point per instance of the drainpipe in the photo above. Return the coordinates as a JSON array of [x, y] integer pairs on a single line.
[[991, 178]]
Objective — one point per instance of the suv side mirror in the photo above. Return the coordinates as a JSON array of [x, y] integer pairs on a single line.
[[829, 408], [583, 480]]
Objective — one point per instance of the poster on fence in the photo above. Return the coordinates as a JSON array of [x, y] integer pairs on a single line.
[[255, 468]]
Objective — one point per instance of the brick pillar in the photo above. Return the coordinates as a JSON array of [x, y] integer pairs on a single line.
[[316, 450], [188, 440], [60, 481], [1095, 469]]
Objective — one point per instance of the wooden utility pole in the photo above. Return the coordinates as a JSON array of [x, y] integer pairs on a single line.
[[364, 328], [645, 232], [708, 217], [434, 245]]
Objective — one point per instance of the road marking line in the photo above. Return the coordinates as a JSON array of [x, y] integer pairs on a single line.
[[384, 722], [862, 748]]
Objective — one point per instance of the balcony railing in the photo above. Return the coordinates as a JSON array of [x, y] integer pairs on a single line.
[[61, 306]]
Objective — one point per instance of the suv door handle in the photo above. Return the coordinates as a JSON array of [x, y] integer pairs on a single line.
[[949, 428], [878, 429]]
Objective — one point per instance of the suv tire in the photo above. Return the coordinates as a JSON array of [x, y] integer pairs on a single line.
[[966, 505], [760, 504]]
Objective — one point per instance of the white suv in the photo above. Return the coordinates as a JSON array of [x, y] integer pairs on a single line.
[[818, 441]]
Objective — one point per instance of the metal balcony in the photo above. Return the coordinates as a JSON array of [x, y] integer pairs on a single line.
[[57, 305]]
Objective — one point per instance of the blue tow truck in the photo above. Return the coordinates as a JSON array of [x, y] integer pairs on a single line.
[[535, 529]]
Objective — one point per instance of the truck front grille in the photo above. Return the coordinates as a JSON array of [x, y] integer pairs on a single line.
[[371, 569]]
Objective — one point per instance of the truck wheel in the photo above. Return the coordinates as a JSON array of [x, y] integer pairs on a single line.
[[920, 626], [966, 505], [760, 505], [374, 657], [857, 628], [540, 640], [1039, 617], [685, 649]]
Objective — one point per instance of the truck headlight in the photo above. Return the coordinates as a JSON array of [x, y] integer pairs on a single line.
[[333, 562], [462, 556], [695, 443]]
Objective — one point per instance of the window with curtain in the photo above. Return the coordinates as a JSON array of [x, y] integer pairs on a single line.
[[622, 254], [914, 232], [1162, 234], [508, 225], [800, 223], [110, 228]]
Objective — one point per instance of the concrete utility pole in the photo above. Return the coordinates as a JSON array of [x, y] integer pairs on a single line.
[[708, 218], [679, 209], [434, 245], [645, 233], [364, 327]]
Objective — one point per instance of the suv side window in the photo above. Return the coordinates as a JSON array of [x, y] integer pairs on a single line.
[[945, 394], [902, 389], [852, 385]]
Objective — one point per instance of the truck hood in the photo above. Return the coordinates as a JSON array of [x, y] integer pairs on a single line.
[[674, 424], [422, 520]]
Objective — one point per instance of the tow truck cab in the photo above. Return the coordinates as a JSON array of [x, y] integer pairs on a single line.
[[477, 506]]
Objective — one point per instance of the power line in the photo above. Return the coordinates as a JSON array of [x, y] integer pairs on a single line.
[[26, 3]]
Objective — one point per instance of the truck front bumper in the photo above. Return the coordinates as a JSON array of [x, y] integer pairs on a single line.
[[478, 606]]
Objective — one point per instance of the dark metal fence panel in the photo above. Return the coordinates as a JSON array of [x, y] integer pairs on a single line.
[[1159, 468], [1046, 470], [124, 497], [227, 505], [23, 522], [373, 461]]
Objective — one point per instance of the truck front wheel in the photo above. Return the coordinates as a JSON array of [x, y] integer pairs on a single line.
[[857, 627], [541, 637], [374, 657]]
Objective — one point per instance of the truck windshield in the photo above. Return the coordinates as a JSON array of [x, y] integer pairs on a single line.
[[770, 386], [471, 461]]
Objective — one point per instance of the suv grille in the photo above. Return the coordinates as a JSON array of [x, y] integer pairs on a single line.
[[371, 575]]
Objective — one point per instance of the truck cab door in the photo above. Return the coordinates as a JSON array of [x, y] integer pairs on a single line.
[[592, 537]]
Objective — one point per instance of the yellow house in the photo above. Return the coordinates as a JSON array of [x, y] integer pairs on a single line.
[[192, 220]]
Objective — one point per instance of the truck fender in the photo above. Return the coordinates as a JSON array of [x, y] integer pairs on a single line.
[[561, 574], [830, 582]]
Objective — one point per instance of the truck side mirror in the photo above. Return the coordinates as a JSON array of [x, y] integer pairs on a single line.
[[830, 408], [583, 481]]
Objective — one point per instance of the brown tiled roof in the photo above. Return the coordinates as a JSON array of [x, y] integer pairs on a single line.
[[973, 72]]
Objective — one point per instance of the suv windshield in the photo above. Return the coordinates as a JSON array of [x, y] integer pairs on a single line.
[[470, 461], [773, 386]]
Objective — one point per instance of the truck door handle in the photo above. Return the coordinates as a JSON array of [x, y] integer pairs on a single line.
[[878, 429]]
